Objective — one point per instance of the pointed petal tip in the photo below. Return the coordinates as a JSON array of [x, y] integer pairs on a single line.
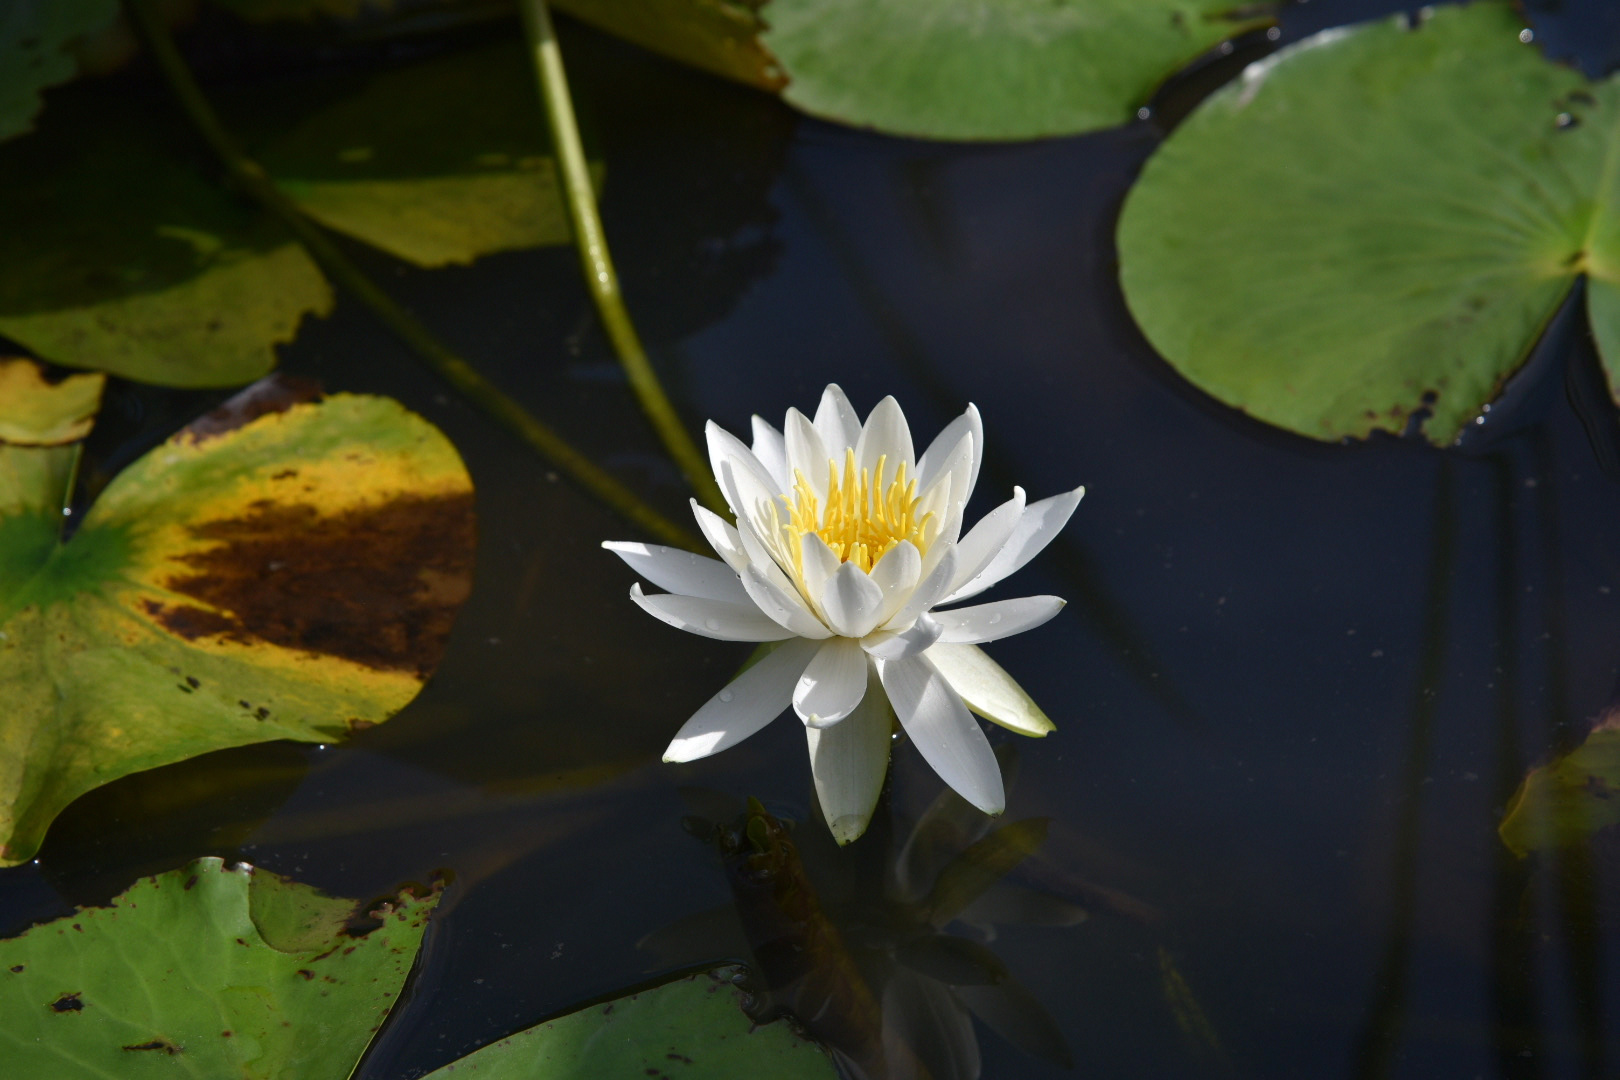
[[848, 829]]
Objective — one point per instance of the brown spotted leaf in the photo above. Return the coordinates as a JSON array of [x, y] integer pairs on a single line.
[[206, 971], [285, 568]]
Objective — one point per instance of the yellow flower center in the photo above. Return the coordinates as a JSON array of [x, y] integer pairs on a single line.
[[864, 517]]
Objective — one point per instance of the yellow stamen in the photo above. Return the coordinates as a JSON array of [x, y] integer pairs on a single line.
[[864, 517]]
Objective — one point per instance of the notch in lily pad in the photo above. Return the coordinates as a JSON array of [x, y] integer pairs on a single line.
[[287, 567]]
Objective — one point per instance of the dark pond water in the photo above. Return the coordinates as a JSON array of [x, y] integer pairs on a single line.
[[1294, 687]]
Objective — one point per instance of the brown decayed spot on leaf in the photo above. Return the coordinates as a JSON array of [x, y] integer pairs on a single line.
[[274, 394], [378, 586], [157, 1044]]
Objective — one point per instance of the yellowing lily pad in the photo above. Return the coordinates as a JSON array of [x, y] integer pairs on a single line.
[[721, 36], [206, 971], [280, 569], [1564, 802], [438, 162], [37, 412], [120, 254], [1378, 222]]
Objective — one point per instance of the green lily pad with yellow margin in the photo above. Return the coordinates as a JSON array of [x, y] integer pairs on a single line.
[[283, 568], [206, 971]]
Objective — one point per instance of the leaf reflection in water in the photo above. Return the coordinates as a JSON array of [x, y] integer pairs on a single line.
[[853, 942]]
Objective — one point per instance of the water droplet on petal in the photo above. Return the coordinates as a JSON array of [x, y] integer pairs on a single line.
[[712, 624], [725, 695], [995, 617]]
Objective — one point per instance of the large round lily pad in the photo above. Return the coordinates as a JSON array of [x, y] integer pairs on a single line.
[[280, 569], [1376, 221], [206, 971], [943, 69]]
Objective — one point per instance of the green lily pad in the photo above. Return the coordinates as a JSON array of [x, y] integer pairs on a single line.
[[1378, 221], [942, 69], [206, 971], [694, 1028], [439, 162], [1564, 802], [280, 569], [116, 254], [34, 36], [989, 69]]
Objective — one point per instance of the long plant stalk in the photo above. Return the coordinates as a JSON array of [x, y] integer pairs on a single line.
[[255, 182], [591, 241]]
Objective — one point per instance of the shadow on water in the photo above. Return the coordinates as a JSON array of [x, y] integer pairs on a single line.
[[1379, 1042]]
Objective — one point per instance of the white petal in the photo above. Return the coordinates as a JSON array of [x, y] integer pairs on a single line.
[[985, 540], [945, 733], [756, 504], [721, 535], [957, 464], [1039, 526], [885, 434], [681, 571], [768, 588], [928, 590], [896, 574], [711, 618], [990, 622], [851, 602], [833, 685], [888, 645], [989, 690], [849, 761], [751, 700], [772, 453], [836, 421], [726, 449], [933, 460], [819, 565], [947, 494], [806, 454]]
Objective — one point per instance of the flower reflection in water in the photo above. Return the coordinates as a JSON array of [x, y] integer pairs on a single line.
[[880, 950]]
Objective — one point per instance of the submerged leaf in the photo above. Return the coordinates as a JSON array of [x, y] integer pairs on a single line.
[[692, 1028], [438, 162], [205, 971], [1564, 802], [34, 36], [1377, 223], [281, 569], [116, 255]]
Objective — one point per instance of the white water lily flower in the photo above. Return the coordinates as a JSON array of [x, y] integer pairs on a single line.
[[846, 546]]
